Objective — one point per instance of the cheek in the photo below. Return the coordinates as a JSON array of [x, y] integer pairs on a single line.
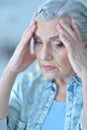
[[65, 62], [37, 52], [62, 59]]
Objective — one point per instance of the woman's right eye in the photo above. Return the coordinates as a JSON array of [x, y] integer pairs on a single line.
[[38, 43]]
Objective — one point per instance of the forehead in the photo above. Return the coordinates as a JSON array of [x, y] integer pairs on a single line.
[[47, 28]]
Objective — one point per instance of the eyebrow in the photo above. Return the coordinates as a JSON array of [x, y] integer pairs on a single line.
[[54, 37], [36, 37], [51, 38]]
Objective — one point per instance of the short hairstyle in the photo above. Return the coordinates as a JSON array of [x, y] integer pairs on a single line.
[[52, 9]]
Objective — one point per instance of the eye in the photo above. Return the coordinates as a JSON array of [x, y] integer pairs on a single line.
[[57, 44], [37, 43]]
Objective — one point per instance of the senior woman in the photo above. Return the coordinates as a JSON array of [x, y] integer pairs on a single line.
[[60, 101]]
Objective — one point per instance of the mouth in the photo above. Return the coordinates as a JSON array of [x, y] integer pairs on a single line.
[[48, 67]]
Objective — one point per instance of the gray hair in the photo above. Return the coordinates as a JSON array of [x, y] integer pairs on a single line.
[[52, 9]]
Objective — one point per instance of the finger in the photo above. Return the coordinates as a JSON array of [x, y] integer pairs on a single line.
[[33, 57], [76, 29], [68, 28], [65, 37], [64, 40], [30, 26], [31, 31], [28, 35], [66, 25], [32, 22], [67, 40]]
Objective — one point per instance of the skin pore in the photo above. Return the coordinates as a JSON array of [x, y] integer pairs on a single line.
[[52, 56]]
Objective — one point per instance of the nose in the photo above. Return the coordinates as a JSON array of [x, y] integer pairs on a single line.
[[46, 53]]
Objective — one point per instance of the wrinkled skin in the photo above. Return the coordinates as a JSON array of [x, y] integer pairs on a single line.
[[77, 51]]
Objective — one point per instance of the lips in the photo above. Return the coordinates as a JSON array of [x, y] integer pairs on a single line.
[[48, 67]]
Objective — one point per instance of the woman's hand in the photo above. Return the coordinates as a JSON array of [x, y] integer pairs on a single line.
[[20, 60], [77, 51], [22, 57]]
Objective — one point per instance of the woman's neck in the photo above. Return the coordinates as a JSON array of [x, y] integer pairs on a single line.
[[61, 90]]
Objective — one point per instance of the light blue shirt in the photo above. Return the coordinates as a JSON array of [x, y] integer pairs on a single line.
[[31, 99], [55, 119]]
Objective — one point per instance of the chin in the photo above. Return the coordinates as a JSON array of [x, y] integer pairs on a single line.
[[49, 76], [59, 75]]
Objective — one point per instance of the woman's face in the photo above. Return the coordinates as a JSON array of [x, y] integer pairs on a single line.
[[50, 51]]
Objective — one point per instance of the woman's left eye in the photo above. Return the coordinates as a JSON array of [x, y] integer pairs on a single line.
[[58, 44]]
